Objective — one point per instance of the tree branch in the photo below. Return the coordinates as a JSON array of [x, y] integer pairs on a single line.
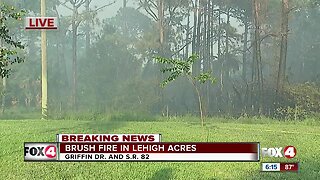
[[96, 10], [152, 14], [78, 23], [181, 48], [261, 39], [64, 4], [154, 4], [80, 3], [148, 9]]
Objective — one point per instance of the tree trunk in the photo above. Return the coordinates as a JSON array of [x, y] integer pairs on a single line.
[[208, 56], [74, 60], [160, 4], [161, 24], [244, 53], [225, 70], [204, 58], [200, 106], [199, 100], [226, 55], [196, 65], [283, 46], [186, 54], [212, 96], [244, 60], [87, 30], [3, 103], [220, 61], [194, 33], [257, 76]]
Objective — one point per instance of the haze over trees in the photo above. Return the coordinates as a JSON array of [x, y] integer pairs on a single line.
[[263, 54]]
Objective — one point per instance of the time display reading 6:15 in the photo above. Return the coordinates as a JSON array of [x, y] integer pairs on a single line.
[[270, 166]]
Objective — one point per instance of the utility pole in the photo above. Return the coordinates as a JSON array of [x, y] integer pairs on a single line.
[[44, 73]]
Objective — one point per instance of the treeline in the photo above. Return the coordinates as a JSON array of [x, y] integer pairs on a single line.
[[264, 55]]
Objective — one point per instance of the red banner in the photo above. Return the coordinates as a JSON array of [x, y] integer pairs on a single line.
[[289, 166], [158, 148]]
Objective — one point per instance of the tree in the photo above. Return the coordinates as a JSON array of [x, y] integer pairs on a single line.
[[283, 45], [76, 19], [257, 76], [9, 47], [178, 68], [8, 50]]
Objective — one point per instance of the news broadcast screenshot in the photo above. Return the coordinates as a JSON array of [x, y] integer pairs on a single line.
[[159, 89]]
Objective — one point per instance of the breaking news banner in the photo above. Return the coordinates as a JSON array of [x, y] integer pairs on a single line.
[[280, 167], [40, 151], [243, 152], [95, 138]]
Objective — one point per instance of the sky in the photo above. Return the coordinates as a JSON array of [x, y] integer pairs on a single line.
[[106, 12]]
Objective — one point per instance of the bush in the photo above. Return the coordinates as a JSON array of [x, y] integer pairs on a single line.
[[289, 113], [305, 95], [299, 101]]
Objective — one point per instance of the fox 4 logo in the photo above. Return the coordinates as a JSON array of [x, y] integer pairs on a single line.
[[288, 152], [40, 151]]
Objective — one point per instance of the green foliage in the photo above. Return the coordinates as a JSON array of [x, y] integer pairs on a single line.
[[306, 95], [291, 113], [300, 100], [8, 50], [204, 77], [175, 130], [177, 68], [18, 113]]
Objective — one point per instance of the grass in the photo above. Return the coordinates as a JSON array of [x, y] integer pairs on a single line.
[[304, 136]]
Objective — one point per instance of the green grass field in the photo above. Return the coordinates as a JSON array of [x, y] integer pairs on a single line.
[[304, 136]]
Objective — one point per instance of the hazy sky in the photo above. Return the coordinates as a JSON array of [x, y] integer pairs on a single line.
[[111, 11], [106, 12]]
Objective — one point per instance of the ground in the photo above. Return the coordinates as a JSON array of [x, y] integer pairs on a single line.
[[270, 133]]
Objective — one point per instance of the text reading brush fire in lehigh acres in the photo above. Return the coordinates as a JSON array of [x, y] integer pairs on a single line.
[[131, 147]]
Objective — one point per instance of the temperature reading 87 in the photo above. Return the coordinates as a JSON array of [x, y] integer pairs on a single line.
[[288, 166]]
